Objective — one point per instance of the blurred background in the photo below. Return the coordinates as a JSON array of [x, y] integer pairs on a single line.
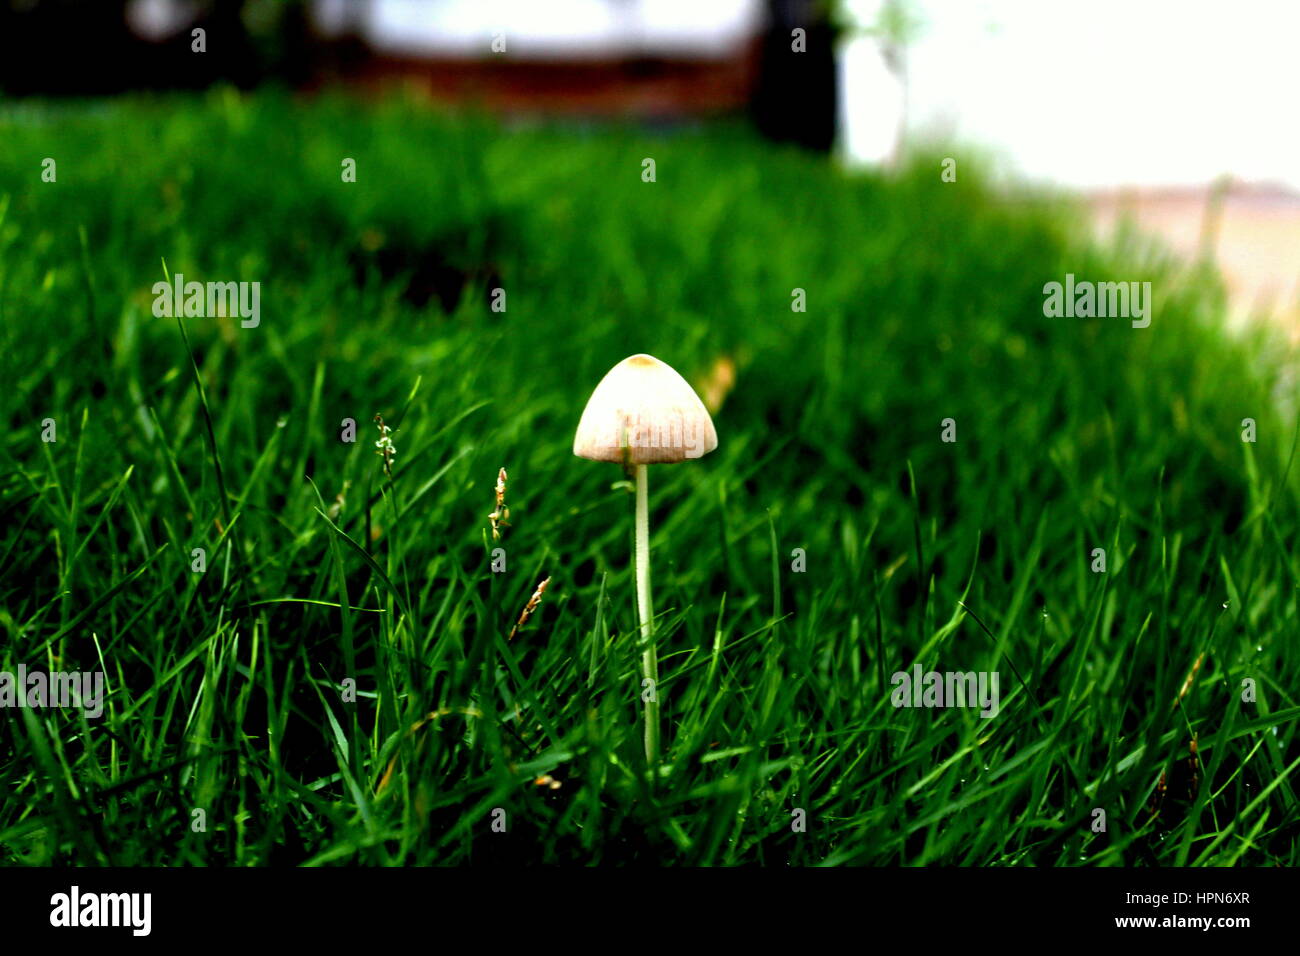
[[1177, 117]]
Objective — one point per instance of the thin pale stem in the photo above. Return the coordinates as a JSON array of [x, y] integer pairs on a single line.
[[649, 660]]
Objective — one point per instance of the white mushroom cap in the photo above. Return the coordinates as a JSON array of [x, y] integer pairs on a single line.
[[643, 413]]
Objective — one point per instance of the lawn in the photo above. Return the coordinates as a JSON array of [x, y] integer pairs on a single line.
[[337, 684]]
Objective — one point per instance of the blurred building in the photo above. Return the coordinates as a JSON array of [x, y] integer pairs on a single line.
[[645, 59], [639, 58]]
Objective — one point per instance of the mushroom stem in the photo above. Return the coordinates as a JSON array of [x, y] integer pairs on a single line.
[[649, 660]]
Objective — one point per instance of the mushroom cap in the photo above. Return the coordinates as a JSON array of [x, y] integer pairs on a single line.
[[643, 413]]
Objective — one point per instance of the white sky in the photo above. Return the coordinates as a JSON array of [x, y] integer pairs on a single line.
[[1109, 92], [563, 27]]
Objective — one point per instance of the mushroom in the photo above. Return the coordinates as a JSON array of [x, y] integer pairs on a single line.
[[644, 413]]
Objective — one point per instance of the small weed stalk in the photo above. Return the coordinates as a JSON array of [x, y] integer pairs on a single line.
[[385, 445], [500, 517]]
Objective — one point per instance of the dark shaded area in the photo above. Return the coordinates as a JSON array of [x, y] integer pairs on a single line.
[[795, 99], [74, 48], [424, 275]]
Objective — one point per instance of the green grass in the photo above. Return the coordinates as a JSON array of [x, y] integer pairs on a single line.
[[924, 303]]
